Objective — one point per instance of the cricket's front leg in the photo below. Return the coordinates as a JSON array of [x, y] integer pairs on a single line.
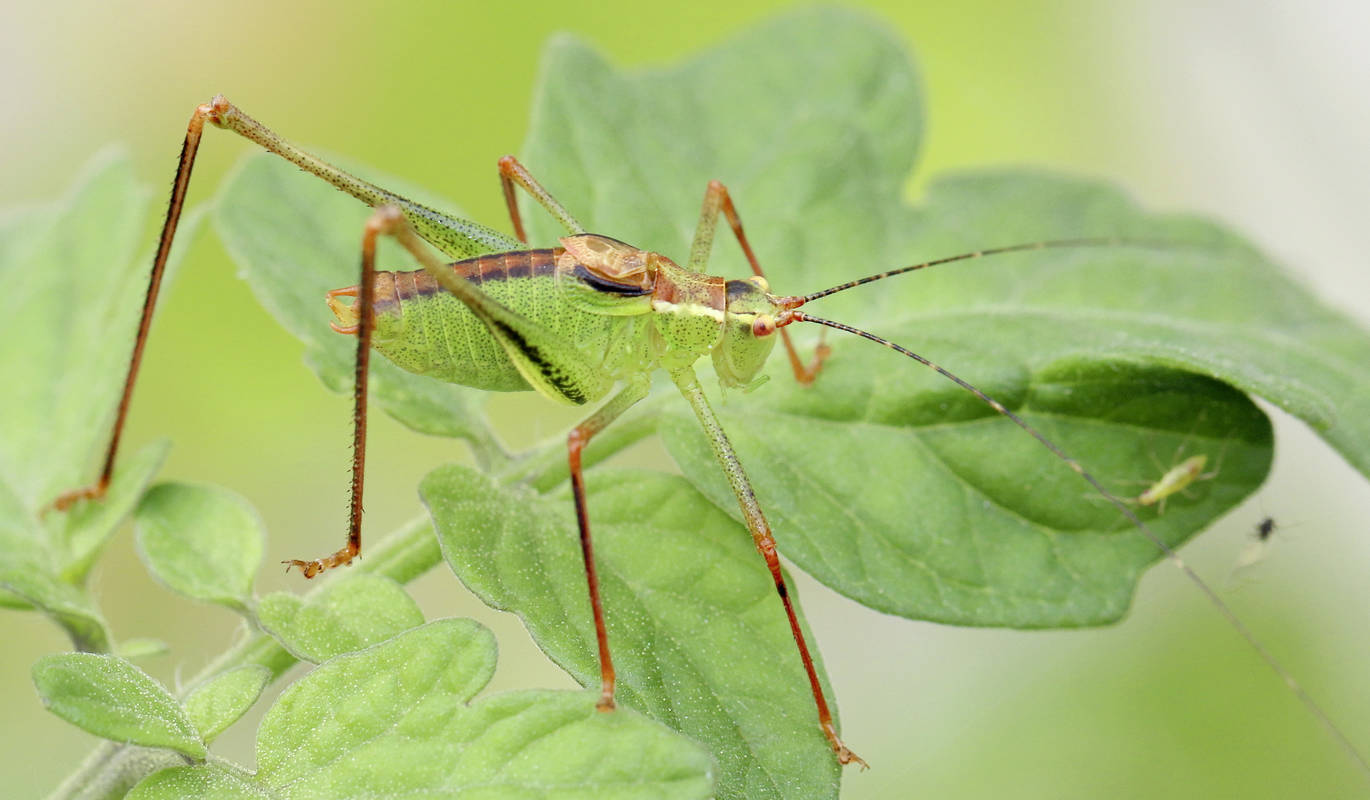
[[765, 544], [717, 199]]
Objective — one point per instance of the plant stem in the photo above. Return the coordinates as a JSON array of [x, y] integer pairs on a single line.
[[111, 770]]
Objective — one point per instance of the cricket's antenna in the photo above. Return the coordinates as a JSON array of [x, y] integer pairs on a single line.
[[1049, 244], [790, 316]]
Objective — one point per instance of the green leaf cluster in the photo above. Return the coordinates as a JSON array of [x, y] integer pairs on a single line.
[[388, 710]]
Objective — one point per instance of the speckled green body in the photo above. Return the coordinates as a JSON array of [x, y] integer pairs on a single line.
[[572, 331]]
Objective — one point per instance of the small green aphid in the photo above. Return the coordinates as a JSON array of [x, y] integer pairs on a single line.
[[1176, 479], [573, 323]]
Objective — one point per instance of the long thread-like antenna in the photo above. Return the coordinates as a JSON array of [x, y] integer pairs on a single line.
[[790, 316], [1048, 244]]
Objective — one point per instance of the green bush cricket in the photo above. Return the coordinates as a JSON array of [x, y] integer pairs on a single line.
[[572, 323]]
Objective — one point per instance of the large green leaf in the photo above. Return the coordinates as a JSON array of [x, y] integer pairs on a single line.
[[698, 635], [71, 607], [396, 720]]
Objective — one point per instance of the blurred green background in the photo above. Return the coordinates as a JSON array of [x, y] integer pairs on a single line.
[[1251, 112]]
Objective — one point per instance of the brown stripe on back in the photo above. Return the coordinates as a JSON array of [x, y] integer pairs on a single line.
[[478, 270]]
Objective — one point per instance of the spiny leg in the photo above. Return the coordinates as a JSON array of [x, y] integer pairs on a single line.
[[365, 292], [457, 238], [575, 443], [765, 544], [186, 162], [511, 172], [716, 199]]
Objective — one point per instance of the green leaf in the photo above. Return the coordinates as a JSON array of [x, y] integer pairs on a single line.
[[23, 545], [344, 615], [396, 720], [215, 705], [107, 696], [295, 238], [57, 550], [43, 563], [203, 542], [698, 634]]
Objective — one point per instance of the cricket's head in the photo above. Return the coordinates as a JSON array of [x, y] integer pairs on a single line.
[[748, 332]]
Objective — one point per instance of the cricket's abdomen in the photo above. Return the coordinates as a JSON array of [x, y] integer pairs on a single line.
[[428, 331]]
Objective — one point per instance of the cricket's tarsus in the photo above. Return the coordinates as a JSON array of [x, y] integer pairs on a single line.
[[541, 311], [67, 499], [311, 568]]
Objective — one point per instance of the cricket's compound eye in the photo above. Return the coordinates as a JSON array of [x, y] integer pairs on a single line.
[[763, 325]]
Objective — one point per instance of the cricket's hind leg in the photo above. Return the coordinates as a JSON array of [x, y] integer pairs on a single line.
[[96, 490]]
